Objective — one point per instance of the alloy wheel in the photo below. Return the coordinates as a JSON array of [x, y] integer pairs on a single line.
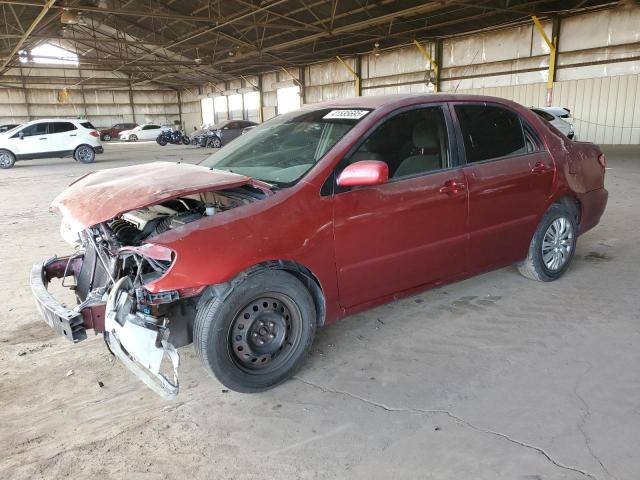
[[5, 159], [557, 244]]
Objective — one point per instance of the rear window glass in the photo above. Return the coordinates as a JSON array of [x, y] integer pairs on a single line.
[[490, 132], [61, 127], [88, 125]]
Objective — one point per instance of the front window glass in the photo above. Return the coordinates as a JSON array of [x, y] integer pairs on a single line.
[[35, 129], [283, 149]]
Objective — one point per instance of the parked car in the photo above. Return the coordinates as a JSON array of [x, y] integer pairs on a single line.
[[224, 132], [50, 138], [148, 131], [556, 118], [10, 126], [114, 132], [317, 214]]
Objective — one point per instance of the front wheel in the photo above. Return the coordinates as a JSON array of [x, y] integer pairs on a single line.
[[215, 142], [162, 141], [259, 334], [186, 140], [133, 138], [7, 159], [106, 137], [552, 246], [84, 154]]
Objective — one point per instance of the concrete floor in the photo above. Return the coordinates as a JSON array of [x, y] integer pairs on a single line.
[[496, 377]]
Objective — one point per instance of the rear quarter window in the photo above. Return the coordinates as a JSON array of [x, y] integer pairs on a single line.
[[88, 125]]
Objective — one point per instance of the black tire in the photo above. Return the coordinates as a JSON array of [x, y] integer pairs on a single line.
[[534, 266], [84, 154], [214, 142], [7, 159], [186, 140], [106, 137], [228, 331], [133, 138], [161, 140]]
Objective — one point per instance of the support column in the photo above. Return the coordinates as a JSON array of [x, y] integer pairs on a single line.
[[553, 52], [303, 85], [180, 109], [356, 76], [434, 64], [133, 110], [261, 102]]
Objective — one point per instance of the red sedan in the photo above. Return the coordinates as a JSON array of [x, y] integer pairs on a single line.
[[319, 213]]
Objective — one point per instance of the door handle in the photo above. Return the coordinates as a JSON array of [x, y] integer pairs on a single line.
[[73, 135], [43, 138], [451, 187], [539, 167]]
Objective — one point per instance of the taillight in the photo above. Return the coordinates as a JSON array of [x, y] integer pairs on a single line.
[[93, 133], [602, 160]]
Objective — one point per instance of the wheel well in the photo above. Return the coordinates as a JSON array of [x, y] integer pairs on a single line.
[[299, 271], [573, 204]]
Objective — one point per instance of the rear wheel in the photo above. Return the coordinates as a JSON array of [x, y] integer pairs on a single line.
[[133, 138], [106, 137], [7, 159], [258, 336], [186, 140], [552, 246], [161, 140], [84, 154]]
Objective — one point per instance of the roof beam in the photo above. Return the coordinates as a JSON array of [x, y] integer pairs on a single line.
[[45, 8]]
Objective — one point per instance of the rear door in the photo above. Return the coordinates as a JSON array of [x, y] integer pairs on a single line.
[[150, 132], [63, 137], [510, 178], [410, 231]]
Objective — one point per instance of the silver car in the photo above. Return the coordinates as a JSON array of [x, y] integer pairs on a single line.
[[558, 117]]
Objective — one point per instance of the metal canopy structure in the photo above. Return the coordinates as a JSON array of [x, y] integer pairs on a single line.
[[194, 42]]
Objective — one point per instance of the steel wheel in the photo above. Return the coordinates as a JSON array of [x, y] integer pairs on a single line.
[[557, 244], [265, 333]]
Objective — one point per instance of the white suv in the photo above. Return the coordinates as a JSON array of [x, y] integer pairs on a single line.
[[50, 138]]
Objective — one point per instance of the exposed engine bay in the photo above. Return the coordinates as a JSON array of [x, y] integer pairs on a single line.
[[131, 228], [114, 262]]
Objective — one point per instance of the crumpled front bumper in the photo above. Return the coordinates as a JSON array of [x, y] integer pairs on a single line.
[[134, 337]]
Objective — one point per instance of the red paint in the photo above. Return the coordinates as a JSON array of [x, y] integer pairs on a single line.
[[105, 194], [364, 173], [367, 245]]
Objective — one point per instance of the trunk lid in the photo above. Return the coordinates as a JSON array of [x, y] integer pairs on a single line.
[[102, 195]]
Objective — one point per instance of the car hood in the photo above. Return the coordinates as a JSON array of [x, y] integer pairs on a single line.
[[105, 194]]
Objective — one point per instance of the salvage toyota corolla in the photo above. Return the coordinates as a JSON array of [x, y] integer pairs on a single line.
[[319, 213]]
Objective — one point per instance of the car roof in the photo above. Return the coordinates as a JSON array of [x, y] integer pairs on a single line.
[[55, 119], [400, 100]]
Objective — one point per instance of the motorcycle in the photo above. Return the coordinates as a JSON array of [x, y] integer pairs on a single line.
[[175, 137]]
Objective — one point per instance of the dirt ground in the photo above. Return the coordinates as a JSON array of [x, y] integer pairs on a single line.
[[495, 377]]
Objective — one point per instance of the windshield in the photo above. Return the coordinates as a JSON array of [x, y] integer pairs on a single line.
[[284, 149]]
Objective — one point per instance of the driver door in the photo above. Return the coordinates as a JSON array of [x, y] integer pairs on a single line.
[[411, 231], [33, 141]]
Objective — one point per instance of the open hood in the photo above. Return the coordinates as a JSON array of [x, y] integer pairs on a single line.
[[105, 194]]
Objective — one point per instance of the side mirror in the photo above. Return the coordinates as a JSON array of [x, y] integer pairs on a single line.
[[363, 173], [225, 128], [21, 135]]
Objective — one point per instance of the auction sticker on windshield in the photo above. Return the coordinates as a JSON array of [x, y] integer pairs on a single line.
[[345, 114]]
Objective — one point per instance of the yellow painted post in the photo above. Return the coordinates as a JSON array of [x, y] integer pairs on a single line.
[[358, 88], [436, 69], [552, 57]]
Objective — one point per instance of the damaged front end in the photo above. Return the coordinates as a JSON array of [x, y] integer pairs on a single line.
[[108, 283], [117, 262]]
